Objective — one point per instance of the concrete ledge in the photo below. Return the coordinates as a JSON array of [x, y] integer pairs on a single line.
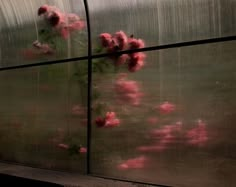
[[57, 178]]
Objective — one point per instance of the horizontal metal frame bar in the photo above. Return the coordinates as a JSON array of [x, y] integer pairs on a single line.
[[156, 48]]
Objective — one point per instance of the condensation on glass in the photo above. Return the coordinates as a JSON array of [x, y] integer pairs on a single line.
[[43, 116], [27, 37], [176, 119], [161, 22]]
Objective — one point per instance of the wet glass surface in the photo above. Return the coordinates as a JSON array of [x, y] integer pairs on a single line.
[[171, 122], [43, 116], [160, 22]]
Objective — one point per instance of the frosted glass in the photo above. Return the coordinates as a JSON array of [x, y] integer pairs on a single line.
[[43, 116], [160, 22], [28, 37], [173, 120]]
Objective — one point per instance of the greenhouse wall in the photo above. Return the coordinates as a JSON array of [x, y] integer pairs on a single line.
[[135, 90]]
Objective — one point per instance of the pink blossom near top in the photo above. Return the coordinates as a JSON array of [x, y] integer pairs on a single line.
[[42, 10], [122, 40], [83, 150], [134, 163], [166, 108], [63, 146], [106, 39], [197, 135], [62, 22]]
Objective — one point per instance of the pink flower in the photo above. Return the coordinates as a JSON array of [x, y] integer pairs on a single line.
[[197, 135], [128, 91], [134, 163], [121, 40], [110, 120], [122, 59], [100, 122], [106, 39], [63, 146], [136, 43], [110, 115], [83, 150], [166, 108], [63, 23], [136, 61], [43, 9]]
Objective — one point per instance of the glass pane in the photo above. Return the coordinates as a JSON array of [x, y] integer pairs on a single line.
[[43, 116], [159, 22], [171, 122], [40, 30]]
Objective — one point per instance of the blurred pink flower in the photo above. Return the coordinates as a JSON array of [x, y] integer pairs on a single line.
[[134, 163], [197, 135], [100, 122], [121, 39], [109, 120], [166, 108], [136, 61], [123, 59], [135, 43], [64, 23], [106, 39], [128, 91], [83, 150]]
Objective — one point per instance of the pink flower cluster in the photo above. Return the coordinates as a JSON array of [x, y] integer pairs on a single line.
[[120, 41], [109, 120], [61, 22], [197, 135], [165, 136], [128, 91], [134, 163]]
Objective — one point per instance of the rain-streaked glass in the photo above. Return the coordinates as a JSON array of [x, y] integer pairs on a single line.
[[170, 123], [43, 116], [160, 22], [29, 36]]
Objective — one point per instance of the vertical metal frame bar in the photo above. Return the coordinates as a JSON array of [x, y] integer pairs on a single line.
[[89, 98]]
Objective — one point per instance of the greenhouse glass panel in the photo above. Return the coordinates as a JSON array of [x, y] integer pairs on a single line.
[[172, 122], [33, 31], [43, 116], [158, 22]]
